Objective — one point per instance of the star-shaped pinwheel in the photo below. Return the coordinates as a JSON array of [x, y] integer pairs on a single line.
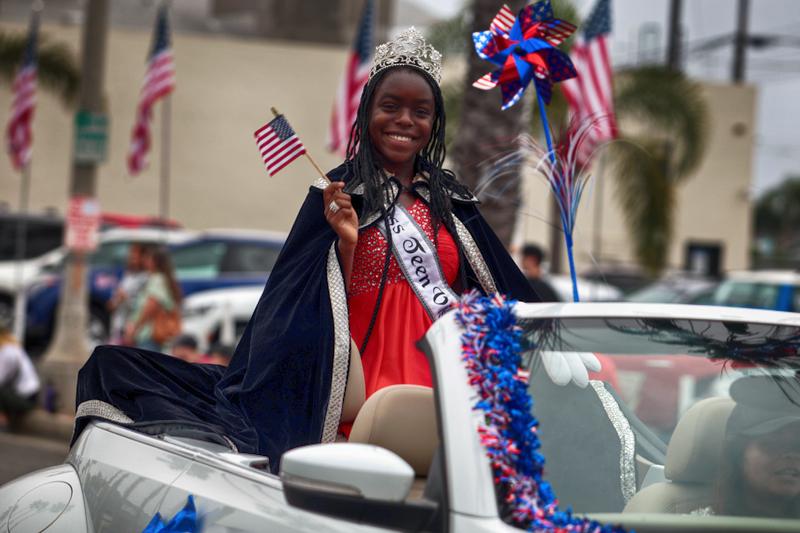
[[525, 50]]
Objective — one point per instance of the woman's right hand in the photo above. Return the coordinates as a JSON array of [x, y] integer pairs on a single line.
[[343, 220]]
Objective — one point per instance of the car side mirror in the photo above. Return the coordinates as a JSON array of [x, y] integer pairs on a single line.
[[357, 482]]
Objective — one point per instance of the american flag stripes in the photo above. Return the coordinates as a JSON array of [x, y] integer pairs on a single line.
[[355, 78], [503, 21], [278, 143], [19, 133], [591, 95], [159, 81]]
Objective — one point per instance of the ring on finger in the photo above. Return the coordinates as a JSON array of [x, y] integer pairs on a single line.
[[333, 207]]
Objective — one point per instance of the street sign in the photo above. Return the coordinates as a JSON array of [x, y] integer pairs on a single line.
[[83, 224], [91, 137]]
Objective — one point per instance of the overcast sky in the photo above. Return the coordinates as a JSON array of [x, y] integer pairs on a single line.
[[776, 71]]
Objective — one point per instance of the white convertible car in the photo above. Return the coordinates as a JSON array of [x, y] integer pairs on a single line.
[[641, 439]]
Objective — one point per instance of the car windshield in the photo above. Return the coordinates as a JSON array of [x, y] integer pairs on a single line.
[[693, 417]]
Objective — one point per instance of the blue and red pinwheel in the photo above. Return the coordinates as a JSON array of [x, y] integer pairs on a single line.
[[526, 50]]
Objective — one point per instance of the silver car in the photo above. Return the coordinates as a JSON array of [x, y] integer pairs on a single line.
[[636, 405]]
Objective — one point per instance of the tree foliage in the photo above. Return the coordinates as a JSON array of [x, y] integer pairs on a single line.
[[664, 128], [777, 212], [58, 69]]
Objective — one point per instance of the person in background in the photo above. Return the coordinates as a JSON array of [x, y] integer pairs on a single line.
[[532, 258], [158, 301], [121, 303], [185, 347], [220, 354], [19, 384]]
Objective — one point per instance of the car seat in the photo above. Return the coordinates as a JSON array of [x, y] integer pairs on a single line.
[[692, 463], [355, 391], [401, 418]]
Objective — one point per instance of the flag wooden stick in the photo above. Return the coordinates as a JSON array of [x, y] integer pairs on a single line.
[[308, 156]]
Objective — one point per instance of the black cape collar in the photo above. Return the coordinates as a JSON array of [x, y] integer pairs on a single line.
[[419, 186]]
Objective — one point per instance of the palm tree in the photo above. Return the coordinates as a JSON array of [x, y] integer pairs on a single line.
[[57, 67], [663, 119], [485, 129]]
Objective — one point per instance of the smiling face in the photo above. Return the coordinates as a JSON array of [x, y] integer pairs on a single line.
[[401, 119], [772, 463]]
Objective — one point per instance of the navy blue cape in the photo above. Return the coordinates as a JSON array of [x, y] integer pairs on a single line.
[[284, 385]]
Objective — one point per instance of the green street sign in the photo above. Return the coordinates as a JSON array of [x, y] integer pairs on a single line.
[[91, 137]]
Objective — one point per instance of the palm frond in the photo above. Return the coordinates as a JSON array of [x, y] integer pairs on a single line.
[[670, 107], [57, 70], [647, 197]]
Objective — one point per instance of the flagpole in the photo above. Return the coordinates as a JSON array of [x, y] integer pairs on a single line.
[[22, 226], [308, 156], [164, 182]]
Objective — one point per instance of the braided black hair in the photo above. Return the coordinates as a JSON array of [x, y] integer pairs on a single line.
[[365, 168]]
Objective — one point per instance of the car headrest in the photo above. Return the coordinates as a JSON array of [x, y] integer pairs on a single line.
[[400, 418], [694, 450], [355, 391]]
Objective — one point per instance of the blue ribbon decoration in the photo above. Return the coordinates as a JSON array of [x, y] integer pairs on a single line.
[[185, 521]]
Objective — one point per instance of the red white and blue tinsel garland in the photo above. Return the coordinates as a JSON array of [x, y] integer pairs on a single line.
[[508, 432]]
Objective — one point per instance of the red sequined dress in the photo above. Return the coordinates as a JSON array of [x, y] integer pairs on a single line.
[[391, 356]]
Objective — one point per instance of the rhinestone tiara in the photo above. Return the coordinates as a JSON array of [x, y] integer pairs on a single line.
[[409, 48]]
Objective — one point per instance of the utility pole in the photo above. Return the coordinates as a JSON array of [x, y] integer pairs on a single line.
[[740, 42], [69, 348], [674, 35]]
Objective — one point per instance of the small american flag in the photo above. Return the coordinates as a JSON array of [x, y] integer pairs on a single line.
[[355, 78], [159, 81], [590, 96], [19, 133], [278, 143]]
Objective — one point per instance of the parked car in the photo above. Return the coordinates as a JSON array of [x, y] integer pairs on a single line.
[[762, 289], [676, 289], [206, 260], [588, 290], [44, 236], [420, 463], [219, 315]]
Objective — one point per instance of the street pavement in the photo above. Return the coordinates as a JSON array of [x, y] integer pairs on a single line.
[[20, 454]]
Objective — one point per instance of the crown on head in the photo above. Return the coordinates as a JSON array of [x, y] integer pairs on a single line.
[[408, 49]]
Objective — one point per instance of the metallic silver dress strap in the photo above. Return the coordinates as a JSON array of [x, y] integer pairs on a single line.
[[627, 441], [341, 346], [474, 257]]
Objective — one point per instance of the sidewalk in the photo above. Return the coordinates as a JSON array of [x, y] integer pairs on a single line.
[[25, 453]]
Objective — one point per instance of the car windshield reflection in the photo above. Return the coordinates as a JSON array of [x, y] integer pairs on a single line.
[[684, 416]]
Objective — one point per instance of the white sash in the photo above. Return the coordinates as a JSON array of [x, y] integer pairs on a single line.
[[417, 258]]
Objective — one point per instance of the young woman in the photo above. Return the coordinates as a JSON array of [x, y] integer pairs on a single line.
[[158, 300], [376, 254]]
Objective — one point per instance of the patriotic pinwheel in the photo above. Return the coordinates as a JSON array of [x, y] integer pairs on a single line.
[[525, 50]]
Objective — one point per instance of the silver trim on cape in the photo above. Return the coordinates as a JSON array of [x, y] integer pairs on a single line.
[[474, 257], [627, 441], [102, 409], [341, 346]]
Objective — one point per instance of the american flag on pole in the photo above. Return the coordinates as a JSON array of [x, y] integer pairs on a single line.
[[19, 133], [355, 78], [159, 81], [590, 95], [278, 143]]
